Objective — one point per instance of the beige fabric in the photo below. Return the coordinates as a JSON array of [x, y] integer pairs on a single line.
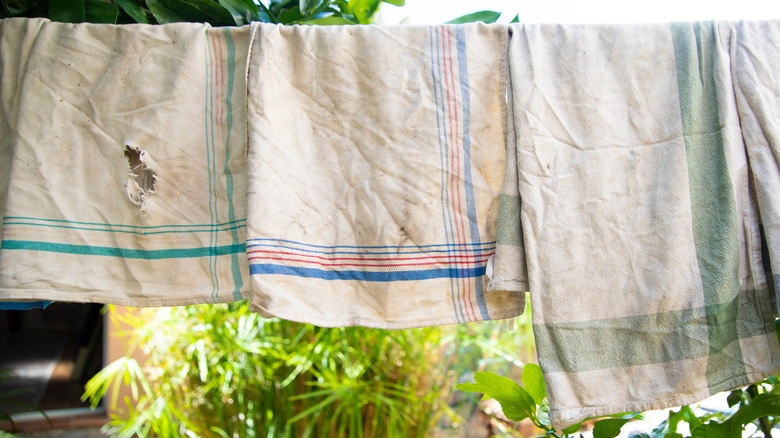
[[81, 105], [375, 160], [638, 228]]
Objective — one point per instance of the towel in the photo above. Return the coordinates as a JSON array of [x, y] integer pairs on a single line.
[[375, 160], [638, 233], [755, 60], [122, 163]]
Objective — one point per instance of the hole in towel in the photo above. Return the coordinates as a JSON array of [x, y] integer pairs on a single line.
[[141, 178]]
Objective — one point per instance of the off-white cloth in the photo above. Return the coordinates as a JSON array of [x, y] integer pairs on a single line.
[[638, 236], [375, 160], [122, 162], [755, 64]]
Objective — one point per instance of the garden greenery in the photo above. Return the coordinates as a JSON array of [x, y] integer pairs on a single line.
[[223, 371]]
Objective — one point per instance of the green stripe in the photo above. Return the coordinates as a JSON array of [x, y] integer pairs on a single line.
[[140, 232], [156, 254], [209, 163], [509, 230], [37, 219], [713, 205], [231, 62], [651, 339]]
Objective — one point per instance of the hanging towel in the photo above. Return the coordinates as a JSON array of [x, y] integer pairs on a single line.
[[375, 160], [123, 173], [755, 65], [639, 234]]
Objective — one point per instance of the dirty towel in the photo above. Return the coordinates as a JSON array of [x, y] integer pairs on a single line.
[[375, 159], [631, 215], [122, 162], [755, 64]]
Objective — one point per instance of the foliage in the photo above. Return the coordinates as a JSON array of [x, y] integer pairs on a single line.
[[222, 371], [215, 12], [758, 404], [8, 399]]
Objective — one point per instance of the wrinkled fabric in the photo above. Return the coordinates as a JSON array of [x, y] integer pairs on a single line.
[[631, 212], [122, 163], [375, 161]]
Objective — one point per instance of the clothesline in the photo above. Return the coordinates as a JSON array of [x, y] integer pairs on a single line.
[[405, 176]]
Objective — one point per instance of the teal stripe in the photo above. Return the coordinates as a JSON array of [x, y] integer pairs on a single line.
[[509, 230], [231, 63], [209, 149], [648, 339], [108, 251], [27, 218], [140, 232], [713, 205]]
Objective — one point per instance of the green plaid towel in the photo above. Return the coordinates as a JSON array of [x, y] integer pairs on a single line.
[[629, 214]]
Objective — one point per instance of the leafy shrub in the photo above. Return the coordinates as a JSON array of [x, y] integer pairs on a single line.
[[223, 371]]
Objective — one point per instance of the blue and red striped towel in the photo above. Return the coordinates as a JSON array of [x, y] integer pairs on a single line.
[[375, 161]]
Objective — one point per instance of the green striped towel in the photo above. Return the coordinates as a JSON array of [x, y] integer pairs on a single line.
[[122, 162], [629, 213]]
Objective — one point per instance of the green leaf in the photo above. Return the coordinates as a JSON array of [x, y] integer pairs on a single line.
[[288, 16], [534, 383], [674, 435], [67, 11], [363, 10], [305, 6], [265, 15], [734, 397], [574, 428], [330, 20], [609, 428], [515, 401], [516, 19], [761, 406], [162, 13], [395, 2], [198, 11], [243, 11], [483, 16], [134, 10], [97, 11], [714, 430]]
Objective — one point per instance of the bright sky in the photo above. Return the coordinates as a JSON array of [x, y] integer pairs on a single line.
[[582, 11]]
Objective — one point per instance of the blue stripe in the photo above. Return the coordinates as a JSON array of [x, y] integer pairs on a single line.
[[428, 274], [441, 132], [471, 210], [438, 245], [108, 251]]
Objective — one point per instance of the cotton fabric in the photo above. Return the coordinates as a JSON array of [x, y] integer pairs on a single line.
[[375, 160], [122, 151], [632, 216]]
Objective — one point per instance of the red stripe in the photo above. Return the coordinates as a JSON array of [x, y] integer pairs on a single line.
[[475, 256], [476, 262], [455, 163]]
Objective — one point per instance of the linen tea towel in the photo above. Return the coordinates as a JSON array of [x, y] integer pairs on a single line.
[[126, 181], [375, 161], [641, 239], [755, 62]]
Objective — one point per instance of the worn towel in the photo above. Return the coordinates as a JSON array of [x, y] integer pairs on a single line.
[[639, 231], [375, 161], [122, 162], [755, 65]]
